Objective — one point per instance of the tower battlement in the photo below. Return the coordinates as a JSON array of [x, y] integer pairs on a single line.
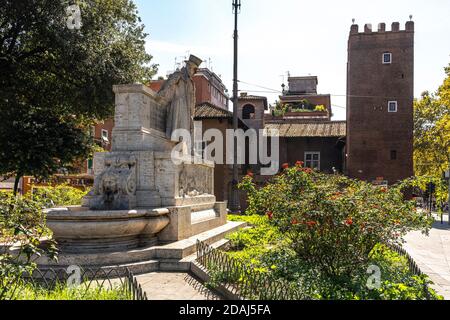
[[395, 27]]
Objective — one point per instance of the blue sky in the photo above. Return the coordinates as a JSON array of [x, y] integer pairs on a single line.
[[302, 37]]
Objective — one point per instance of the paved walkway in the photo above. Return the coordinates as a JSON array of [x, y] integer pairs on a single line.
[[174, 286], [432, 254]]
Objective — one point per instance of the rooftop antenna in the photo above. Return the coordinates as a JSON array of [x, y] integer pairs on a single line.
[[210, 64], [177, 64], [410, 17], [353, 20], [283, 86]]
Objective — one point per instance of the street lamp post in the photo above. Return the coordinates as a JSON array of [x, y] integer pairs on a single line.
[[448, 191], [234, 205]]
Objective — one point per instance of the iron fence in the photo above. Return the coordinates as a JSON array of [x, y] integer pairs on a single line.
[[86, 282], [412, 265], [244, 281]]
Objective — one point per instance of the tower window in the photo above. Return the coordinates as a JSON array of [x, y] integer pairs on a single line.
[[393, 154], [248, 112], [387, 58], [392, 106]]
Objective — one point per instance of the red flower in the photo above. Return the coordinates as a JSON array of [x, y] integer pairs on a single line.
[[299, 163], [349, 221], [269, 215], [294, 222], [311, 223], [307, 170], [250, 174], [384, 190], [285, 166]]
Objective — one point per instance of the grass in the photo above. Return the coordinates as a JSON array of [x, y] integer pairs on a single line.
[[265, 250], [62, 292]]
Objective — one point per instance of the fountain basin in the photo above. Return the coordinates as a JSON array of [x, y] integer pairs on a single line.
[[78, 230]]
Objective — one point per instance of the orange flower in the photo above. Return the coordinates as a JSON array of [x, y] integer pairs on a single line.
[[336, 196], [250, 174], [299, 163], [384, 190], [294, 222], [311, 223], [306, 170], [349, 221], [285, 166]]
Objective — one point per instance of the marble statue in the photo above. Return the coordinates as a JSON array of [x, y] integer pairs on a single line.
[[179, 91]]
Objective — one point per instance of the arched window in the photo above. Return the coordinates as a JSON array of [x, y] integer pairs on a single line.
[[248, 112]]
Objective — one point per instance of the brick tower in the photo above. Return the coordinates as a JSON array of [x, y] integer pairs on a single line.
[[380, 93]]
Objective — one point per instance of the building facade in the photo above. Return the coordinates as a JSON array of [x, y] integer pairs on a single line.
[[380, 84], [210, 88]]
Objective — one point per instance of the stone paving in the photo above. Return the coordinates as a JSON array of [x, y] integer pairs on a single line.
[[432, 254], [174, 286]]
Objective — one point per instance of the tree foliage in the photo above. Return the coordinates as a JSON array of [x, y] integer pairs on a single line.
[[55, 80], [432, 131]]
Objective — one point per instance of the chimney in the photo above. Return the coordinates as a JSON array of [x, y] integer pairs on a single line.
[[368, 28]]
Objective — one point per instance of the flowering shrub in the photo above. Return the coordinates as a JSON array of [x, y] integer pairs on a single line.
[[332, 222], [60, 195], [22, 225]]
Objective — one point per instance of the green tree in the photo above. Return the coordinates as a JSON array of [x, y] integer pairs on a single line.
[[55, 80], [432, 131], [432, 137]]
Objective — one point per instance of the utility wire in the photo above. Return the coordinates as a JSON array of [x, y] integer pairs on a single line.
[[270, 90], [275, 91], [258, 86]]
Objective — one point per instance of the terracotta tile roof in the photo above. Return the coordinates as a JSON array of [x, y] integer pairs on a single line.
[[310, 129], [209, 111]]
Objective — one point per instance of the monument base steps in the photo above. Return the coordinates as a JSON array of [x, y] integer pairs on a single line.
[[173, 257]]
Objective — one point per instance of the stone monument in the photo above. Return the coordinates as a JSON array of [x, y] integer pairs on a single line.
[[144, 194]]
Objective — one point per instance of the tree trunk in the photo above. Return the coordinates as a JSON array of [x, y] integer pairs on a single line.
[[16, 183]]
